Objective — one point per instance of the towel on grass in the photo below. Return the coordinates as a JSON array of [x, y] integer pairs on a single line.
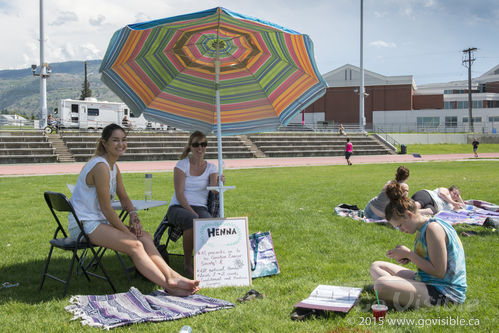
[[110, 311], [473, 215]]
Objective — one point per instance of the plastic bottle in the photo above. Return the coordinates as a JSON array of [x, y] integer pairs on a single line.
[[185, 329], [148, 187]]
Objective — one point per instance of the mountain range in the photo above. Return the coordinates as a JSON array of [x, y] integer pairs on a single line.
[[20, 90]]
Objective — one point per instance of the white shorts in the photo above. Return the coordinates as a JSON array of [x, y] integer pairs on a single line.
[[88, 226]]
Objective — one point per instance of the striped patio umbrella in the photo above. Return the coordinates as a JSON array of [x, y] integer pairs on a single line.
[[213, 71]]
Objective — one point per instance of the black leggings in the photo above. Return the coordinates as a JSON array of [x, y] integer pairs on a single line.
[[425, 200]]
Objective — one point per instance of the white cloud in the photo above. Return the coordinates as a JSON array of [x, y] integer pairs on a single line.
[[64, 18], [97, 21], [382, 44]]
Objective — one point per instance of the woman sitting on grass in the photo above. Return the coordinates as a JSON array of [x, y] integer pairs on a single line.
[[375, 208], [438, 255], [99, 180]]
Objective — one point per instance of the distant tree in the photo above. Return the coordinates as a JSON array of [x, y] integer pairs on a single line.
[[4, 111], [85, 90]]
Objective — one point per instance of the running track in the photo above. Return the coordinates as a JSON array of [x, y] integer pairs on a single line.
[[10, 170]]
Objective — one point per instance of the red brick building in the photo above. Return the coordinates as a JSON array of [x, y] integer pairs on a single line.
[[340, 104]]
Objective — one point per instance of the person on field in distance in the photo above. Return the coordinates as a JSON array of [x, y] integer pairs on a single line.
[[98, 182], [475, 144], [348, 151]]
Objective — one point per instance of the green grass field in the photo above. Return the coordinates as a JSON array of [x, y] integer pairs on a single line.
[[313, 246], [450, 149]]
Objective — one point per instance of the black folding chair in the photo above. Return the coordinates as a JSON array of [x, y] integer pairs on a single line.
[[58, 202], [175, 232]]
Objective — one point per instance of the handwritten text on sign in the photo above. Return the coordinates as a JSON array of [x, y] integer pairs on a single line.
[[221, 256]]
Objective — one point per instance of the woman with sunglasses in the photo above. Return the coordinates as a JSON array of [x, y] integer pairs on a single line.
[[191, 175]]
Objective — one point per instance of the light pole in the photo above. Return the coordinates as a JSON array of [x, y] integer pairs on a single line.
[[362, 120], [43, 74]]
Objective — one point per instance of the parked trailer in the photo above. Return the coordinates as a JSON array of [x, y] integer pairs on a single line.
[[93, 114]]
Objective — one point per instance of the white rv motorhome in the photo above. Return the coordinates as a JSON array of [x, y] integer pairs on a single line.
[[92, 114]]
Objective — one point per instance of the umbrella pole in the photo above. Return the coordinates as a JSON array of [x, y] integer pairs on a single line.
[[219, 136]]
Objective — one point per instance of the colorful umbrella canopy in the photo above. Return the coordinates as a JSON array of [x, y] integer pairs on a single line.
[[168, 68]]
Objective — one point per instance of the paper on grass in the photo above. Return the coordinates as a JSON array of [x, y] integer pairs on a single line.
[[331, 298]]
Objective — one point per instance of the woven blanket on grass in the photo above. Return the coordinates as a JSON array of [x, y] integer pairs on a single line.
[[483, 204], [109, 311], [473, 215]]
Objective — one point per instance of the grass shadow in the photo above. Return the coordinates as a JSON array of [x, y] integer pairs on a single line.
[[28, 274]]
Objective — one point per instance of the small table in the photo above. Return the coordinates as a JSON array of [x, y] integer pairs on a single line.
[[138, 204]]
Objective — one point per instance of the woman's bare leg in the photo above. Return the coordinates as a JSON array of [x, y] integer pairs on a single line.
[[110, 237], [396, 284], [188, 245], [174, 279]]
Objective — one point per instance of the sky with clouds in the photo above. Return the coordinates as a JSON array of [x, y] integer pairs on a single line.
[[423, 38]]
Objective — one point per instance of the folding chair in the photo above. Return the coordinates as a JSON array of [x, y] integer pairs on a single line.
[[175, 232], [57, 202]]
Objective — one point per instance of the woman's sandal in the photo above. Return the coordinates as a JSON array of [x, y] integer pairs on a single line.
[[302, 314], [250, 295]]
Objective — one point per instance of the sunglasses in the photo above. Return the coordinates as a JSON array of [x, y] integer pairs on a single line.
[[197, 144]]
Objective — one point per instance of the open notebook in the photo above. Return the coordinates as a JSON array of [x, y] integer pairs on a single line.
[[331, 298]]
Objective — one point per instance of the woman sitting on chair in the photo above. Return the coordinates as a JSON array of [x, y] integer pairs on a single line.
[[191, 175], [99, 181]]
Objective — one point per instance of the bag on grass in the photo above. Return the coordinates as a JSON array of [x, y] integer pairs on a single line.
[[262, 255]]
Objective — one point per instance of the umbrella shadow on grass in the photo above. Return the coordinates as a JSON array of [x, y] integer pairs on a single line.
[[28, 274]]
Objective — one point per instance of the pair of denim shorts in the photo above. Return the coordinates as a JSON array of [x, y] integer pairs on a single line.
[[370, 214], [88, 226]]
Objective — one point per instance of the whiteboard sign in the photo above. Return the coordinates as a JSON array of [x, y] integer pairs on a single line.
[[221, 252]]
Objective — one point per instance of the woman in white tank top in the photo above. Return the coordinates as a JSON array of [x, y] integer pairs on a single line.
[[97, 184]]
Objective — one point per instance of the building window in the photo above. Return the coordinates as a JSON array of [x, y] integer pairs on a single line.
[[460, 105], [93, 112], [448, 105], [475, 119], [494, 119], [428, 122], [451, 122]]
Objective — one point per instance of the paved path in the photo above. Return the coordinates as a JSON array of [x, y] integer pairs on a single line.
[[9, 170]]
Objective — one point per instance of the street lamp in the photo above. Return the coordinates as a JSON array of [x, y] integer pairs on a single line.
[[45, 74]]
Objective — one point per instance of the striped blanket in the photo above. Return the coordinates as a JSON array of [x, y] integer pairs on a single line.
[[475, 214], [110, 311]]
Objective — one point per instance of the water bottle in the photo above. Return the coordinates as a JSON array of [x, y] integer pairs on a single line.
[[148, 188], [185, 329]]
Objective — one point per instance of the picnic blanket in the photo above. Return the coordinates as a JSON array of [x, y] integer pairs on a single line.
[[475, 213], [110, 311], [472, 214]]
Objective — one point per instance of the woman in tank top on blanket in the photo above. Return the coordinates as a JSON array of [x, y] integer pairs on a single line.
[[438, 255], [431, 202], [375, 208], [99, 181]]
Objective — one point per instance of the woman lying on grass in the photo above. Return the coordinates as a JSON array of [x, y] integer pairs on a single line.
[[438, 255], [99, 180]]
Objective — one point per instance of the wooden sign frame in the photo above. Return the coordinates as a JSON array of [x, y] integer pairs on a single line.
[[221, 252]]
